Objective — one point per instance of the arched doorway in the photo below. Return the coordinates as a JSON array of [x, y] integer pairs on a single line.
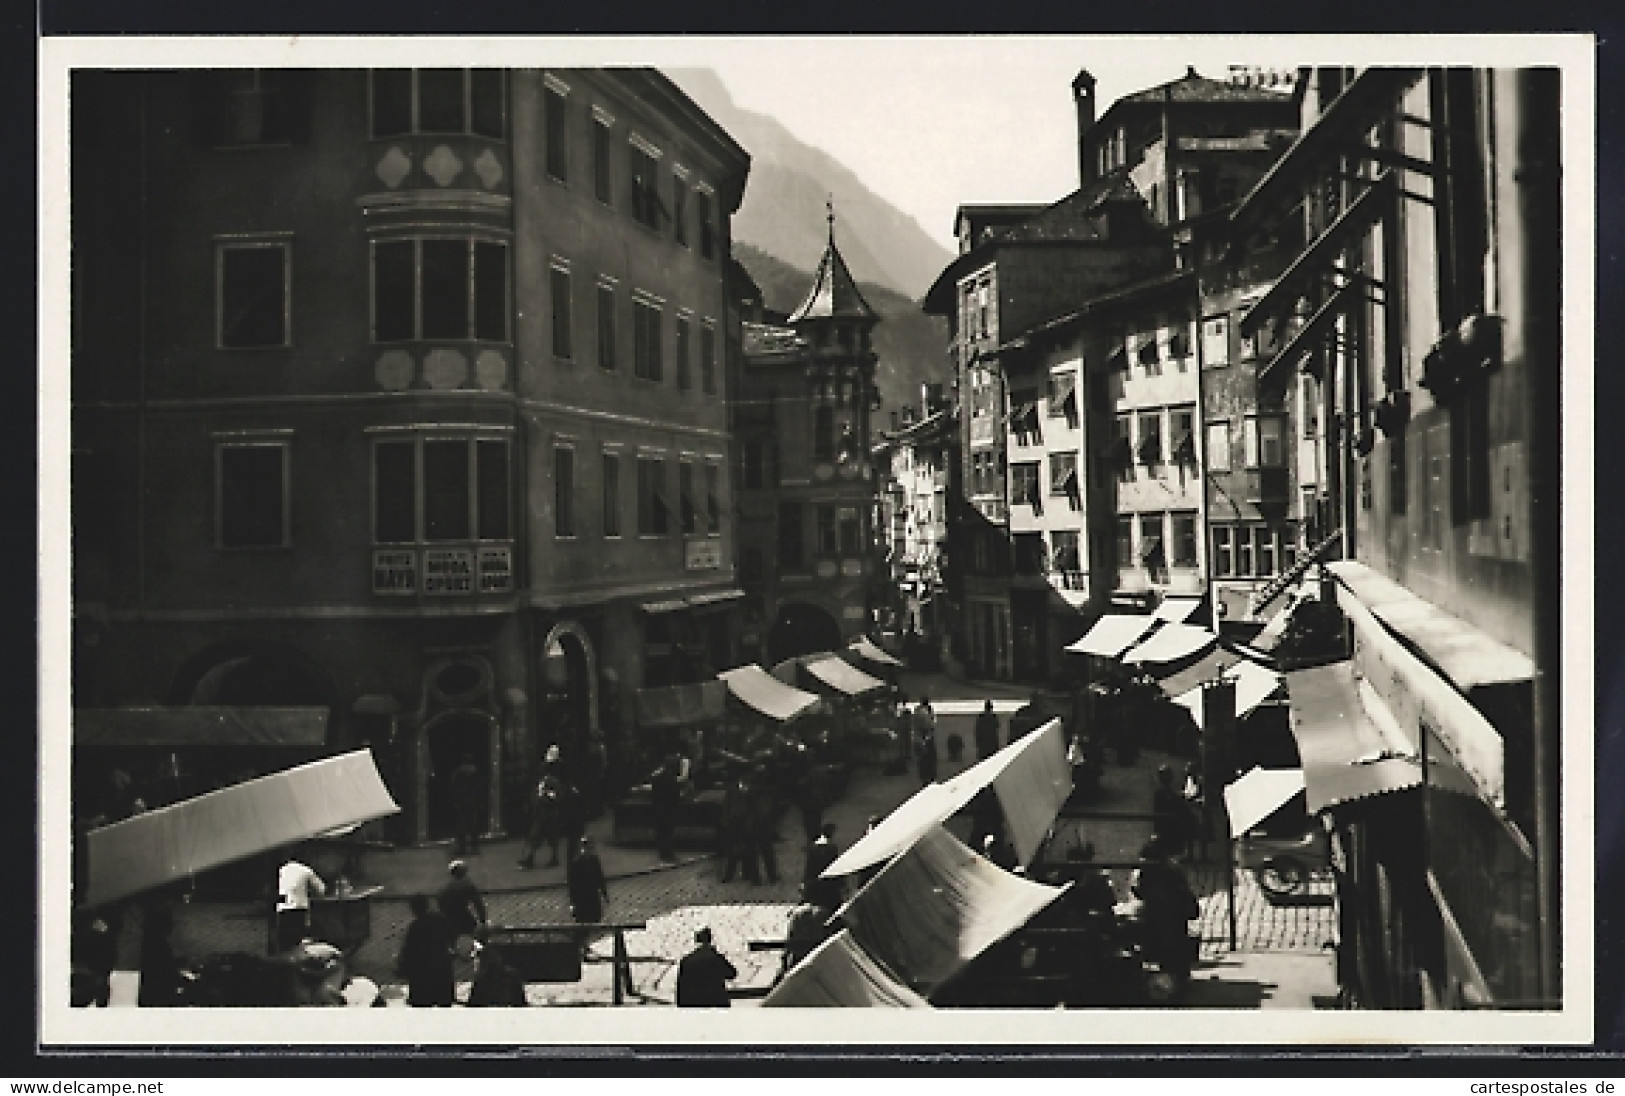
[[567, 715], [247, 674], [801, 629]]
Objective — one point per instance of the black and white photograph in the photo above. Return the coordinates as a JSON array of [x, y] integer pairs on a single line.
[[1057, 540]]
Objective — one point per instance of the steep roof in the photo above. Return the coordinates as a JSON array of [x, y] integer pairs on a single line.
[[1196, 88], [834, 293]]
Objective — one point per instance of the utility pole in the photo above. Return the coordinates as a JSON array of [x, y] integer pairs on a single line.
[[1218, 767]]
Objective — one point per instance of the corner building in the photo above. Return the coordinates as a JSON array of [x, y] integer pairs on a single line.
[[399, 395]]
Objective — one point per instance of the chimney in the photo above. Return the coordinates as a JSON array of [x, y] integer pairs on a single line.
[[1083, 98]]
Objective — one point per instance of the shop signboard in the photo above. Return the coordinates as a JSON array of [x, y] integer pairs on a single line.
[[496, 569], [394, 571], [704, 555], [448, 571]]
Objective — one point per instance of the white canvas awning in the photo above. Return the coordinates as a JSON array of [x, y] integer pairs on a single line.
[[222, 827], [865, 649], [837, 974], [1030, 777], [1171, 643], [1177, 609], [760, 690], [1254, 685], [934, 909], [844, 677], [1113, 634], [1259, 793]]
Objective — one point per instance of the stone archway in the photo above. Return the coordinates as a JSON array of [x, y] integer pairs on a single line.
[[801, 628], [567, 714]]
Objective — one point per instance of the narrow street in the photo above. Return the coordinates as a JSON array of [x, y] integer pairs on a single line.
[[674, 900]]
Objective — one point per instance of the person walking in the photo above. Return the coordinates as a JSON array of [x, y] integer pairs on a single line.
[[296, 884], [1168, 906], [831, 892], [461, 903], [665, 793], [588, 887], [987, 732], [925, 740], [1196, 811], [497, 985], [546, 812], [465, 796], [425, 959], [762, 819], [738, 842], [804, 931], [703, 975]]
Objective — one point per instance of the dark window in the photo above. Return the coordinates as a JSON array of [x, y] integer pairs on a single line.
[[441, 105], [612, 494], [1149, 451], [790, 537], [1244, 551], [1184, 540], [395, 492], [1125, 541], [1460, 217], [646, 205], [601, 186], [702, 220], [445, 490], [559, 288], [824, 434], [557, 135], [253, 295], [445, 289], [683, 380], [1223, 558], [491, 473], [253, 496], [393, 290], [685, 497], [1470, 451], [391, 102], [490, 291], [486, 102], [679, 210], [1024, 484], [646, 340], [1064, 555], [1063, 473], [1271, 441], [651, 497], [1266, 550], [713, 498], [827, 543], [708, 360], [606, 327], [1182, 439], [564, 491]]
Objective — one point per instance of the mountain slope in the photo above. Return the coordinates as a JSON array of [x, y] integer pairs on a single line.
[[911, 347], [783, 214]]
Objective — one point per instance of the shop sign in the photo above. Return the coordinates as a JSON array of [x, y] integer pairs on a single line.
[[496, 570], [448, 571], [704, 555], [394, 572]]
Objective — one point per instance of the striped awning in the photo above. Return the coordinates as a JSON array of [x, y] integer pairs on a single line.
[[1171, 643], [843, 677], [1113, 634], [762, 692]]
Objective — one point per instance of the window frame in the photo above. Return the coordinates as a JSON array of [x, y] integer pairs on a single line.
[[648, 325], [1218, 457], [417, 438], [284, 444], [651, 489], [704, 222], [708, 357], [682, 351], [688, 522], [1278, 424], [646, 206], [282, 244], [1224, 559], [610, 493], [415, 126], [713, 497], [1207, 340], [556, 133], [603, 159], [1181, 540], [472, 306], [564, 490], [604, 296], [561, 321]]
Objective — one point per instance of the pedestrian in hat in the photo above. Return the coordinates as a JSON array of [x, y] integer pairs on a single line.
[[425, 959], [987, 732], [925, 740], [547, 814], [703, 975], [589, 890], [461, 903], [831, 892]]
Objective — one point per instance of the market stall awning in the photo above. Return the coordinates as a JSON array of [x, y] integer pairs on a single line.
[[677, 705], [843, 677], [934, 909], [1209, 666], [837, 974], [865, 649], [221, 827], [1257, 794], [1113, 634], [200, 726], [760, 690], [1030, 777], [1171, 643], [1177, 609], [1254, 685], [1346, 754]]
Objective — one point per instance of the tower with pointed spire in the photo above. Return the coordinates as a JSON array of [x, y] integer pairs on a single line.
[[804, 403]]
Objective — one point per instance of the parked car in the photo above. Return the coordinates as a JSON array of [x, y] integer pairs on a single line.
[[1282, 858]]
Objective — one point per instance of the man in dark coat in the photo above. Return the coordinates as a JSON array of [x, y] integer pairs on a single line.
[[738, 841], [460, 901], [829, 893], [497, 985], [703, 975], [465, 797], [763, 821], [589, 890], [987, 732], [925, 740], [1169, 905], [426, 958], [812, 795]]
